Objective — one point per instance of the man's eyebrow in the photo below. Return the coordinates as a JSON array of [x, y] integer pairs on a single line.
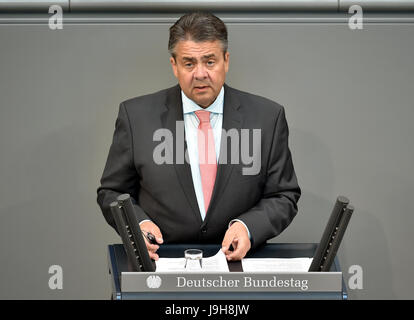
[[189, 59], [208, 56]]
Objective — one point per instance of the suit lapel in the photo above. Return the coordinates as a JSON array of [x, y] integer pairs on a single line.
[[232, 119], [169, 119]]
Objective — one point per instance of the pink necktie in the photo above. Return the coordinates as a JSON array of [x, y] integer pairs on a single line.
[[206, 155]]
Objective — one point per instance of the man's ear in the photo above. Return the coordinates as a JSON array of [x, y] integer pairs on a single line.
[[174, 66], [226, 61]]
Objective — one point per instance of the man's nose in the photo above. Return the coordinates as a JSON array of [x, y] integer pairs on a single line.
[[200, 72]]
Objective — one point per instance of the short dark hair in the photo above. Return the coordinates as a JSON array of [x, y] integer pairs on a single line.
[[198, 27]]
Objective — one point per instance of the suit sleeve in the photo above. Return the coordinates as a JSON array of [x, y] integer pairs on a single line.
[[120, 175], [278, 206]]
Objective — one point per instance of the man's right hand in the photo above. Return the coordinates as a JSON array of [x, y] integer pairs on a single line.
[[149, 226]]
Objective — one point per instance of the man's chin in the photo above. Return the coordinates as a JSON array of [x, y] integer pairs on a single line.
[[202, 102]]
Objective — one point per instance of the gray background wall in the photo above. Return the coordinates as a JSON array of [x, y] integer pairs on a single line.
[[349, 103]]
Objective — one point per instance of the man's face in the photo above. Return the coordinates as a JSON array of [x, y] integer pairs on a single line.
[[200, 68]]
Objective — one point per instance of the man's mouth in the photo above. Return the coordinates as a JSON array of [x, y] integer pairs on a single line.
[[201, 87]]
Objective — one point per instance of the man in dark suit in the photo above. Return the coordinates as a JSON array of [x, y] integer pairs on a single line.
[[198, 200]]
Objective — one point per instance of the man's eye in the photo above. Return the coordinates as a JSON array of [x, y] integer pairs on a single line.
[[210, 63], [188, 65]]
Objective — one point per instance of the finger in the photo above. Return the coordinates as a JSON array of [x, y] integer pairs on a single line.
[[151, 250], [153, 247], [153, 255], [150, 247], [235, 243], [228, 239], [232, 247], [239, 252], [145, 235], [157, 233], [149, 226], [236, 254]]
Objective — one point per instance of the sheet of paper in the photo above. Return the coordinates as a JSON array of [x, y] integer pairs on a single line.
[[276, 264], [169, 265], [216, 263]]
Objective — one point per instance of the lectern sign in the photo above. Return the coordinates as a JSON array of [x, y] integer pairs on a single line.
[[231, 282]]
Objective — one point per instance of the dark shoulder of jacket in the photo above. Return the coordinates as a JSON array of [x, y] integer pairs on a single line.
[[260, 103], [148, 102]]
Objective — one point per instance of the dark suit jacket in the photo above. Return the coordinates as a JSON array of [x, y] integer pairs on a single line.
[[266, 202]]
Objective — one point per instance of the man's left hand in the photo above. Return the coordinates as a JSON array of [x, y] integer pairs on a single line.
[[238, 237]]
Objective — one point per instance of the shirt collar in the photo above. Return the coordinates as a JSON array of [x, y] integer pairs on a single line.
[[190, 106]]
